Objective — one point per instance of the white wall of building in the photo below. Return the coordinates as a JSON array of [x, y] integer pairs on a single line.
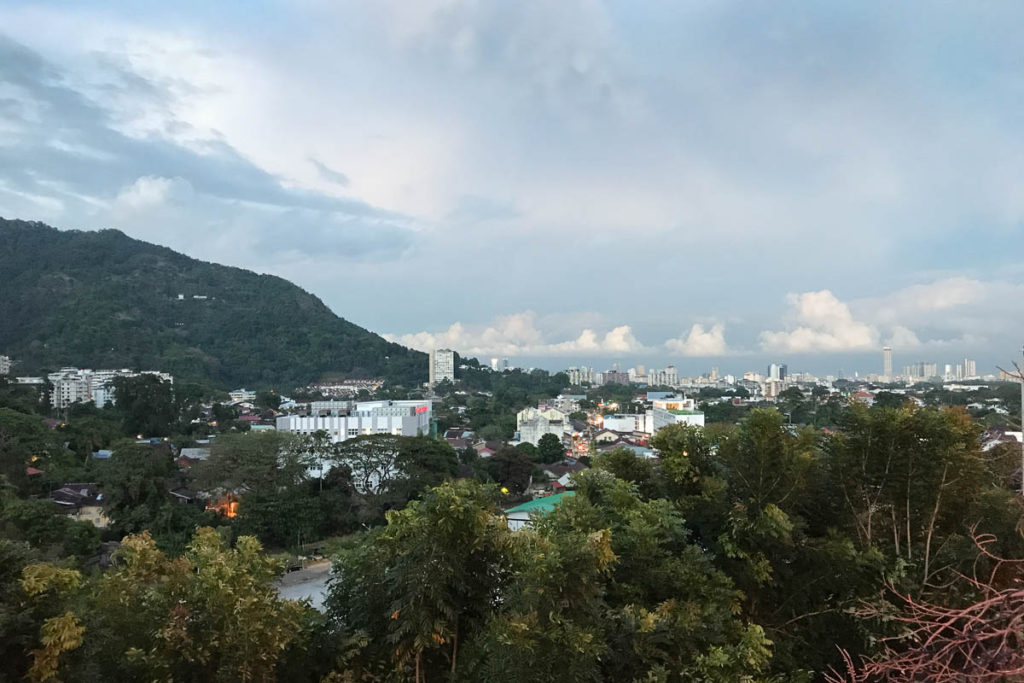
[[442, 366], [661, 418], [399, 418], [624, 423], [77, 385], [533, 423]]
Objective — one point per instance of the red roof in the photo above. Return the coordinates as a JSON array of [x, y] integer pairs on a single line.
[[32, 470]]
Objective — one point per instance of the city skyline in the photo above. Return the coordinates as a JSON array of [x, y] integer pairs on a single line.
[[874, 365], [813, 181]]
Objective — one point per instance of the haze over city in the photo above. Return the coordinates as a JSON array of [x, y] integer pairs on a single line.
[[718, 184]]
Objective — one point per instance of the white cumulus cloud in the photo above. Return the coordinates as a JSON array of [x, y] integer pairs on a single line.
[[903, 338], [518, 334], [700, 342], [822, 323]]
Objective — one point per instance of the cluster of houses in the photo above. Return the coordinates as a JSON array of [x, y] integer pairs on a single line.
[[83, 501], [607, 431]]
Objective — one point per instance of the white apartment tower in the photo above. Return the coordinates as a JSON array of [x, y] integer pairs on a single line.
[[887, 362], [442, 366]]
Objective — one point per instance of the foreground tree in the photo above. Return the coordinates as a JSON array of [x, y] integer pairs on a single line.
[[211, 615], [422, 586], [607, 587], [667, 613]]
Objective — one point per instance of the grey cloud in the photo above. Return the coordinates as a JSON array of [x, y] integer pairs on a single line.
[[329, 174], [473, 209], [68, 147]]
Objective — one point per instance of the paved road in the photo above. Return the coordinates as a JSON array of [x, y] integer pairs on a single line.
[[310, 582]]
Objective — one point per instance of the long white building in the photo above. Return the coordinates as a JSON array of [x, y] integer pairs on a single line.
[[347, 420], [625, 423]]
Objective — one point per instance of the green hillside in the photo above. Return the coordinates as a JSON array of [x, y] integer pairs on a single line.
[[103, 299]]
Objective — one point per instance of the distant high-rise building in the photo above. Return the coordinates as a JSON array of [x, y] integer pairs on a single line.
[[668, 377], [783, 372], [774, 372], [616, 377], [580, 375], [887, 362], [5, 365], [970, 368], [494, 364], [442, 366]]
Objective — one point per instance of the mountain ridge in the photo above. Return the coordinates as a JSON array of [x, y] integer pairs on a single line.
[[104, 299]]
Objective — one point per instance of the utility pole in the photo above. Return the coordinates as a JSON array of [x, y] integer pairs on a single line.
[[1019, 376]]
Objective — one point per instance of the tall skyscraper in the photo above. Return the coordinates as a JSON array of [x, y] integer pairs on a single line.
[[887, 362], [442, 366]]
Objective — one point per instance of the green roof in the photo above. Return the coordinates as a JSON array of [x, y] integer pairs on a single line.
[[685, 412], [543, 505]]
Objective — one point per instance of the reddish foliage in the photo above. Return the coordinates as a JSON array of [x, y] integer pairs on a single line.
[[983, 641]]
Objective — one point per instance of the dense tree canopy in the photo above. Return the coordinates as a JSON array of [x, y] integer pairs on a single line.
[[104, 300], [755, 551]]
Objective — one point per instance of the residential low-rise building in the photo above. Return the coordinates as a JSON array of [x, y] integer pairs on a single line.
[[534, 423], [82, 502], [662, 417], [625, 423], [242, 396], [520, 516]]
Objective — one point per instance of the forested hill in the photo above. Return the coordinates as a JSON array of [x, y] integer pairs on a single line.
[[102, 299]]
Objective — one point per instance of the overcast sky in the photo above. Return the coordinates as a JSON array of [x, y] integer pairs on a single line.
[[709, 183]]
